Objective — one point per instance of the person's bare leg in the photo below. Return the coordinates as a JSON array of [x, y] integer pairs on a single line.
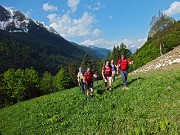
[[106, 85], [88, 92], [110, 83], [92, 91]]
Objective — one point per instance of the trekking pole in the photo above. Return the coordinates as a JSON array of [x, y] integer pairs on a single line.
[[135, 73]]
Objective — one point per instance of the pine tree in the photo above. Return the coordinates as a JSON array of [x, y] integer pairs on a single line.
[[124, 50], [86, 62], [72, 69], [117, 54]]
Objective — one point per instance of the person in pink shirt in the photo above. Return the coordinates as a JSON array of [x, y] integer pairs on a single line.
[[107, 74]]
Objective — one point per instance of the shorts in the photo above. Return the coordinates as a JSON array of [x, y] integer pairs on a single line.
[[108, 79], [89, 86], [113, 73]]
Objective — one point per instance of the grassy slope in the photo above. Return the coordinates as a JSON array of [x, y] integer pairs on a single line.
[[151, 107]]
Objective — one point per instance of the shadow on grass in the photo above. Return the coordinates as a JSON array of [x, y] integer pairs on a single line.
[[134, 79], [100, 88], [100, 91], [120, 84]]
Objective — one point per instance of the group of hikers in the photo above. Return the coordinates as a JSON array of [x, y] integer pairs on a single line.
[[109, 71]]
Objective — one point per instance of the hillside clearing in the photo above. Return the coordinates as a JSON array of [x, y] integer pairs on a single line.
[[149, 107]]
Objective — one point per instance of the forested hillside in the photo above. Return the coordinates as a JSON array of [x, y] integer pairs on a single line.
[[41, 51], [161, 42]]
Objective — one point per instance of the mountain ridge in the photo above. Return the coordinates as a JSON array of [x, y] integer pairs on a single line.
[[16, 21], [33, 44]]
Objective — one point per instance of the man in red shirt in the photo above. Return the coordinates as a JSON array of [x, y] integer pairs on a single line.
[[88, 76], [122, 66]]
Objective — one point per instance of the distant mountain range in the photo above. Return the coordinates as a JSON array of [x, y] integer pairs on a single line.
[[15, 21], [25, 42], [95, 51]]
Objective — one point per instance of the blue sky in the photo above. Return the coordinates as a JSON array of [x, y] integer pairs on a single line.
[[102, 23]]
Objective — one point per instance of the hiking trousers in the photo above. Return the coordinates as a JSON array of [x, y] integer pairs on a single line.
[[82, 86], [124, 75]]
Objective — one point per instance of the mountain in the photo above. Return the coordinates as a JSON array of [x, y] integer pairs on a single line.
[[25, 42], [95, 51], [100, 52], [15, 21]]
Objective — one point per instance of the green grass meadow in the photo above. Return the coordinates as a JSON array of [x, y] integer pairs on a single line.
[[150, 107]]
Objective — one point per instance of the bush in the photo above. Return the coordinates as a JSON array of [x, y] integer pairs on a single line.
[[46, 83], [19, 85], [32, 83], [62, 80]]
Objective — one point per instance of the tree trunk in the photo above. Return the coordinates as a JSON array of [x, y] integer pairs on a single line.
[[161, 53]]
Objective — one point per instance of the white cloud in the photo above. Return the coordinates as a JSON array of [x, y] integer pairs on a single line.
[[9, 8], [110, 17], [96, 32], [131, 44], [174, 9], [100, 43], [69, 27], [28, 13], [48, 7], [73, 4], [96, 6]]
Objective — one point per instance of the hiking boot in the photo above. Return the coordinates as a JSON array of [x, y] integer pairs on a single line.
[[83, 92]]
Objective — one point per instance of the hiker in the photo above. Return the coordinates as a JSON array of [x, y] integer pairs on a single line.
[[123, 64], [88, 80], [107, 74], [80, 79], [113, 68]]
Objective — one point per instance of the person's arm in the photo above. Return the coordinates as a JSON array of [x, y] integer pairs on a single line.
[[103, 73], [78, 79], [118, 66], [95, 75], [130, 62], [84, 77]]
